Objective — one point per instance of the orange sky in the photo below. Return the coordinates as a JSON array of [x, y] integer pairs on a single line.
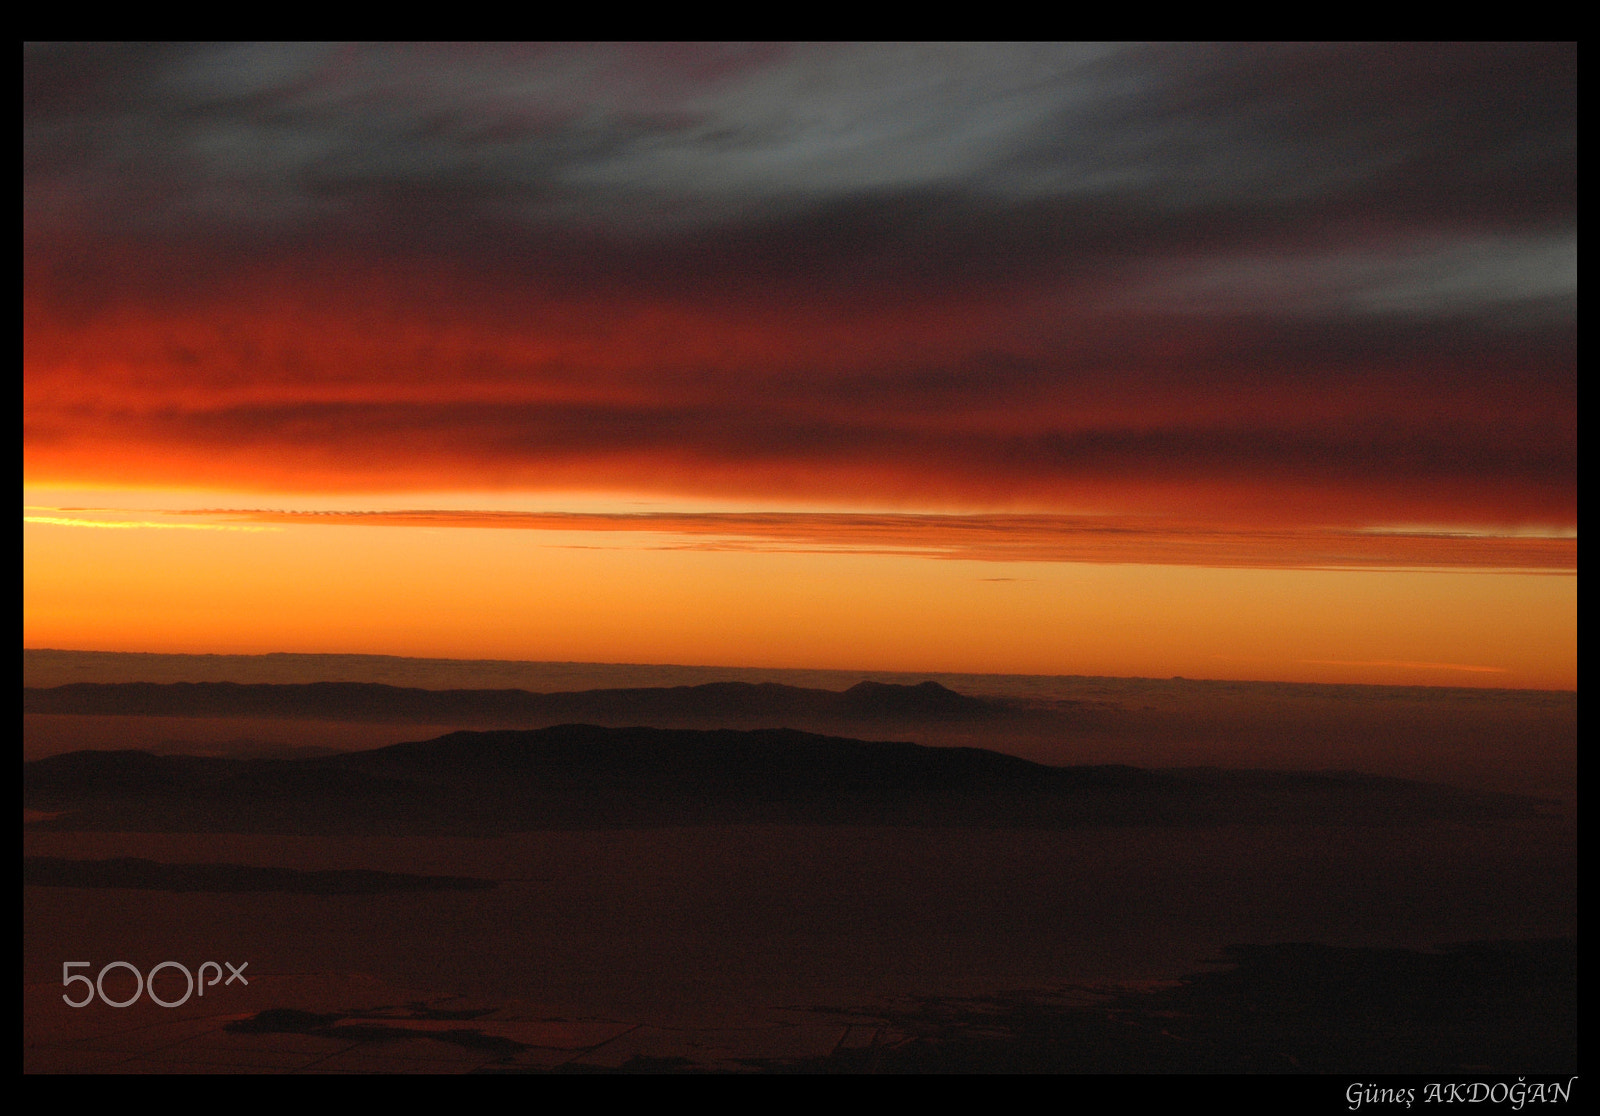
[[210, 583], [1241, 361]]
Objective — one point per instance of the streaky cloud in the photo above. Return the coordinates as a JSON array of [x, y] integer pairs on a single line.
[[995, 538]]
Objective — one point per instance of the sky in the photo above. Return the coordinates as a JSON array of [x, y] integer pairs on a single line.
[[1223, 361]]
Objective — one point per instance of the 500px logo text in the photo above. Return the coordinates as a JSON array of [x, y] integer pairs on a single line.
[[194, 984]]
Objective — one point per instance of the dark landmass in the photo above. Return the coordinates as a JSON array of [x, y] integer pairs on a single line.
[[585, 776], [1487, 1007], [1517, 741], [357, 701], [150, 875], [1483, 1008]]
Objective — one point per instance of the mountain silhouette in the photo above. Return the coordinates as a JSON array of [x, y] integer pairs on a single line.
[[587, 776], [346, 701]]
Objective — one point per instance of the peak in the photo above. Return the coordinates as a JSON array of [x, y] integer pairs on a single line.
[[870, 687]]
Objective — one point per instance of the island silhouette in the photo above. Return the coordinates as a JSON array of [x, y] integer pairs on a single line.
[[649, 864], [589, 776]]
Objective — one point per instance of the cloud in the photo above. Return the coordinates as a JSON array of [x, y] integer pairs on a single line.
[[1315, 284], [984, 538], [1458, 277], [630, 134], [137, 524]]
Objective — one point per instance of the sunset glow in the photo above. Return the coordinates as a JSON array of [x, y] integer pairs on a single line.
[[1245, 362]]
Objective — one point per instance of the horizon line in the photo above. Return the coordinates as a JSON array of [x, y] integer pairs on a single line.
[[930, 674]]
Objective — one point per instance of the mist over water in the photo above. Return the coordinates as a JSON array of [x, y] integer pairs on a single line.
[[57, 668], [720, 925], [1514, 741]]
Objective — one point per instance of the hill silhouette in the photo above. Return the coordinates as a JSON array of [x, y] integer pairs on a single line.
[[866, 701], [587, 776]]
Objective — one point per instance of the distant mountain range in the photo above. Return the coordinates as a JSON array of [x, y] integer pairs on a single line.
[[585, 776], [736, 701]]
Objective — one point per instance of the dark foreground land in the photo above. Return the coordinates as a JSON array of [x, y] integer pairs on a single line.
[[582, 898], [1490, 1008]]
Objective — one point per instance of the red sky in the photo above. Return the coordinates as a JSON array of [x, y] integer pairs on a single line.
[[1257, 308]]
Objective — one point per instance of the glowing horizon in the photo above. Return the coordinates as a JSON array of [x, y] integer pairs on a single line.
[[879, 357], [589, 588]]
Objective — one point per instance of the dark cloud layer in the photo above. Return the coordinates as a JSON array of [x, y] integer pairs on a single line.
[[697, 137], [1341, 278]]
